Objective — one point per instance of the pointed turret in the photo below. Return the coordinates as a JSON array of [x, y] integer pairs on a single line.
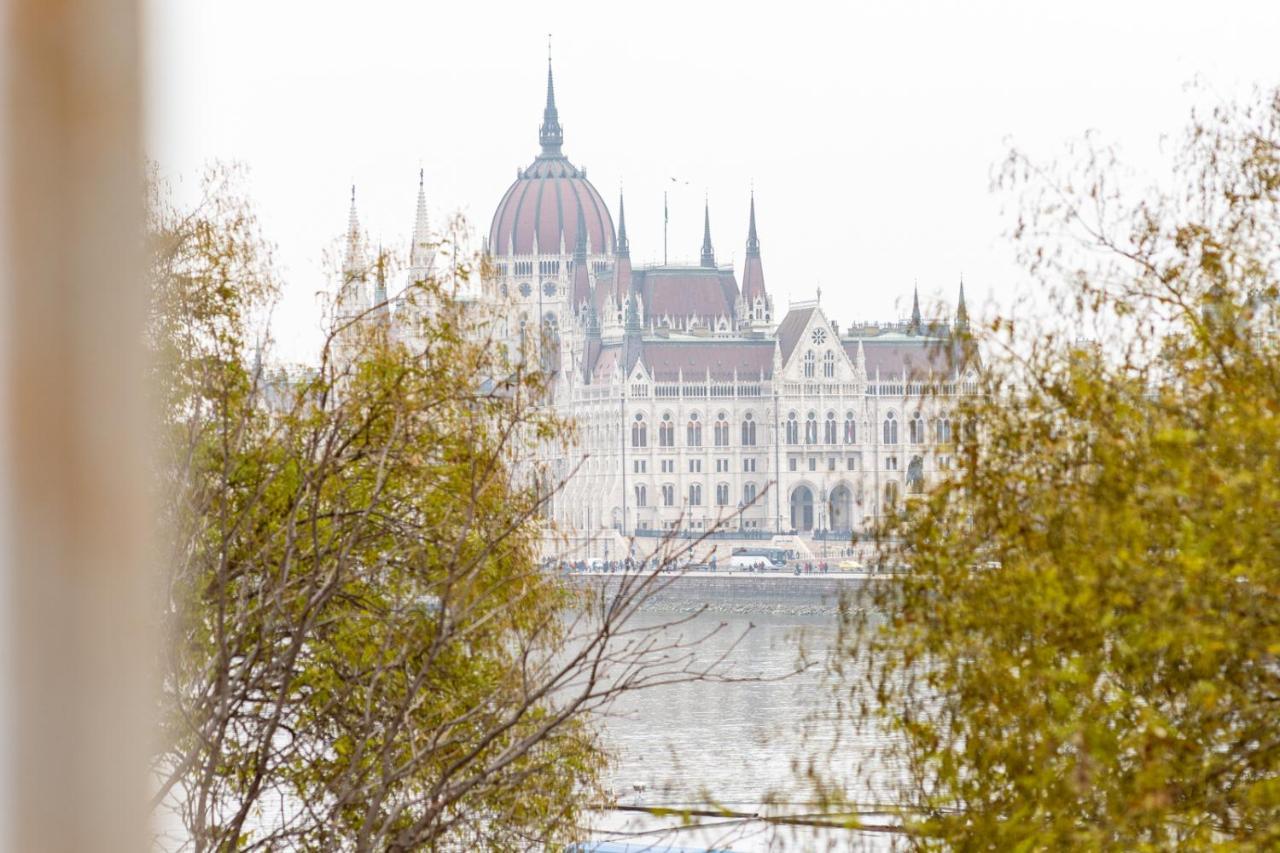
[[591, 342], [962, 313], [581, 282], [353, 297], [634, 326], [861, 360], [913, 328], [550, 134], [708, 254], [622, 257], [753, 272], [381, 311], [353, 263], [624, 245], [421, 255]]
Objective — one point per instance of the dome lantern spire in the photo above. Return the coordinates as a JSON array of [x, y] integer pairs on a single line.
[[962, 313], [550, 133]]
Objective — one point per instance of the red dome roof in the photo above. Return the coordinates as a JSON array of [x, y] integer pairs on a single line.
[[545, 201]]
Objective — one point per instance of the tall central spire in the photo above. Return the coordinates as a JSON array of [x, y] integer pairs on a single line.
[[550, 134], [753, 242], [708, 254]]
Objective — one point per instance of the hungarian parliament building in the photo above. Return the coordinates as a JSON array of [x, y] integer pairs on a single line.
[[698, 404]]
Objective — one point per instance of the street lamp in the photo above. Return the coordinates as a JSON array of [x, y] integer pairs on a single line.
[[822, 521]]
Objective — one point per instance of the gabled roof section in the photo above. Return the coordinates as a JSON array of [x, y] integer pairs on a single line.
[[606, 361], [792, 327]]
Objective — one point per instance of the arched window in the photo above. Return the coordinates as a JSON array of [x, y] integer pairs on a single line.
[[666, 431], [748, 492], [916, 429], [811, 428], [668, 494], [829, 365], [890, 429], [722, 430], [793, 429], [850, 429], [944, 429], [829, 429], [695, 494], [809, 361], [693, 431], [748, 431], [642, 494], [722, 494], [639, 432]]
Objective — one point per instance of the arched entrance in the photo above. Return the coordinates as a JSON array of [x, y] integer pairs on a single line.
[[840, 509], [802, 509]]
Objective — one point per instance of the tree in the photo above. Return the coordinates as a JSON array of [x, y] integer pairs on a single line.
[[1083, 647], [363, 652]]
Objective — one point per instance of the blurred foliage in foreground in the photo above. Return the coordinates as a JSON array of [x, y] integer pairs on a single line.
[[1084, 649], [361, 651]]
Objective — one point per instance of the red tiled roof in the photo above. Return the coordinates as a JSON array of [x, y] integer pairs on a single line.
[[547, 205], [687, 291], [915, 358], [791, 328], [666, 359], [621, 279], [752, 278], [606, 359]]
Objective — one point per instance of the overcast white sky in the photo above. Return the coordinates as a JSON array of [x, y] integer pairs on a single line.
[[870, 130]]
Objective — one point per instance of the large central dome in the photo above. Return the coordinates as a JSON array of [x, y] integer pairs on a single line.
[[539, 213]]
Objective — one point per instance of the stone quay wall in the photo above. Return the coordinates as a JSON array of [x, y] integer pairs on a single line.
[[740, 592]]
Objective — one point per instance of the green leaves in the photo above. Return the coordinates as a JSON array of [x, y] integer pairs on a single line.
[[1083, 651]]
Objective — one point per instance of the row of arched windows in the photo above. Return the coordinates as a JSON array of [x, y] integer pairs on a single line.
[[832, 431], [667, 494], [693, 431]]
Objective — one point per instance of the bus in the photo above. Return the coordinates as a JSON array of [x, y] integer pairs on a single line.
[[774, 557]]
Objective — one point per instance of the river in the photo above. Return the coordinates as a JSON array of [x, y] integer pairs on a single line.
[[741, 742]]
